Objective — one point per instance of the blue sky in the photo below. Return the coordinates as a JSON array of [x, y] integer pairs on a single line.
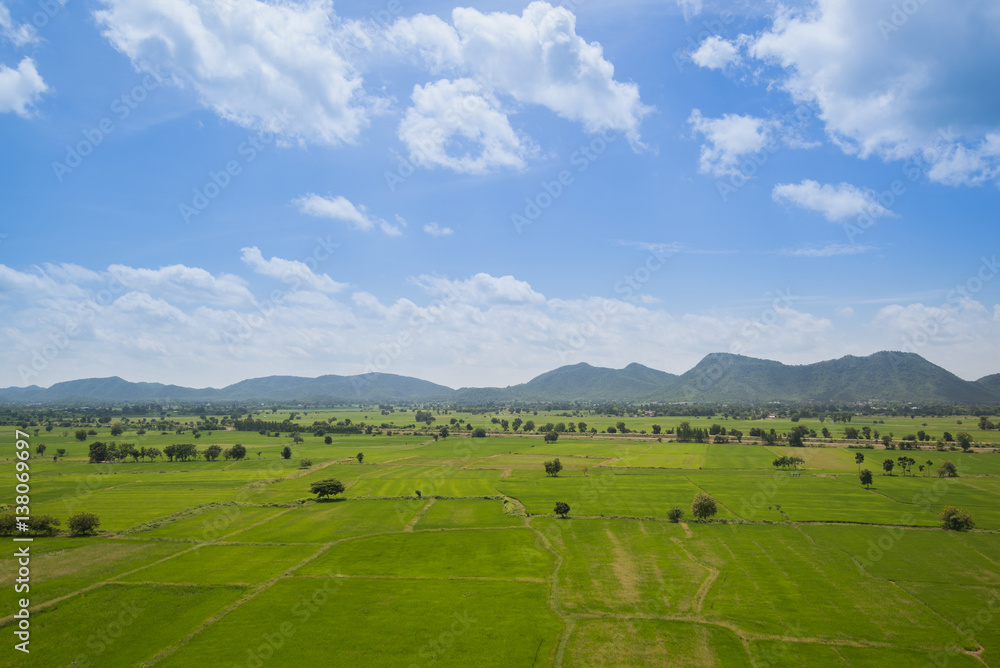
[[199, 192]]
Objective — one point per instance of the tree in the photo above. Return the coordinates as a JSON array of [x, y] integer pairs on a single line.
[[516, 424], [305, 463], [948, 469], [562, 509], [443, 431], [82, 524], [329, 487], [964, 439], [40, 450], [98, 452], [360, 457], [328, 440], [478, 432], [529, 425], [81, 435], [117, 429], [956, 519], [61, 452], [866, 478], [826, 432], [888, 465], [551, 436], [152, 453], [212, 452], [286, 452], [675, 514], [656, 429], [859, 459], [553, 468], [703, 506], [238, 451]]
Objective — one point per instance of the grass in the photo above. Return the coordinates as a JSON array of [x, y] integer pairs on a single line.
[[840, 575]]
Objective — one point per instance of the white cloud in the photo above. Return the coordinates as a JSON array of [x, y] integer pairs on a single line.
[[715, 53], [20, 89], [292, 272], [845, 312], [261, 65], [338, 208], [158, 328], [834, 202], [455, 124], [18, 34], [536, 58], [888, 82], [829, 250], [729, 139], [690, 8], [437, 230]]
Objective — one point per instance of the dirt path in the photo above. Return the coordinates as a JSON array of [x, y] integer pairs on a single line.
[[416, 518]]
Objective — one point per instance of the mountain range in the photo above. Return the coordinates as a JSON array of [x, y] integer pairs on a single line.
[[718, 378]]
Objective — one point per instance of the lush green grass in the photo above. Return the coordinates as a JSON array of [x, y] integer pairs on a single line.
[[487, 553], [118, 625], [326, 522], [461, 513], [648, 642], [225, 564], [623, 566], [386, 623], [352, 572]]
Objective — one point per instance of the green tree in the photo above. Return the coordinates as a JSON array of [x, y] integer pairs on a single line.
[[82, 524], [675, 514], [656, 429], [117, 429], [553, 468], [529, 425], [329, 487], [360, 457], [328, 440], [478, 432], [859, 459], [947, 469], [964, 439], [40, 450], [703, 506], [888, 465], [866, 478], [305, 463], [562, 509], [98, 452], [238, 451], [212, 452], [286, 452], [81, 435], [956, 519], [61, 452], [516, 424], [551, 436], [443, 431]]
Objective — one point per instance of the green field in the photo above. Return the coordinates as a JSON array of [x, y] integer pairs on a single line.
[[234, 563]]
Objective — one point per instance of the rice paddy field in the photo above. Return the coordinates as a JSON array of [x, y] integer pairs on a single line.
[[448, 552]]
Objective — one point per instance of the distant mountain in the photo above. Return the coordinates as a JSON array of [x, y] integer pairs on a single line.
[[991, 382], [718, 378], [883, 376]]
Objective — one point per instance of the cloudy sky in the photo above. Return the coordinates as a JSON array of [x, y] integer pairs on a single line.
[[202, 191]]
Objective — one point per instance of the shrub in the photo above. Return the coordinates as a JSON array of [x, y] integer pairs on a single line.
[[956, 519], [675, 514], [82, 524]]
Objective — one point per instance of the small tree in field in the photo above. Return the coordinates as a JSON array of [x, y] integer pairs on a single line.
[[82, 524], [553, 468], [948, 469], [964, 439], [305, 463], [675, 514], [859, 459], [866, 478], [330, 487], [562, 509], [888, 465], [956, 519], [286, 452], [81, 434], [551, 436], [361, 457], [703, 506]]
